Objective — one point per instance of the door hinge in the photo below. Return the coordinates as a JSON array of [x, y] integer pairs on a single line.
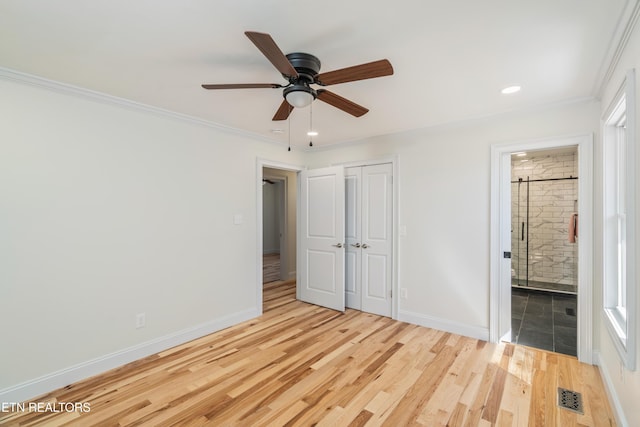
[[390, 293]]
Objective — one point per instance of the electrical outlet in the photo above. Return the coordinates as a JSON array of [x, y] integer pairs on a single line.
[[141, 320], [403, 293]]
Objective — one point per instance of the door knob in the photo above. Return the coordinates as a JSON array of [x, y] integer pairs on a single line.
[[357, 245], [365, 246], [339, 245]]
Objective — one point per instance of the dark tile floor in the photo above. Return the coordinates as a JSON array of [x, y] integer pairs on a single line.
[[544, 320]]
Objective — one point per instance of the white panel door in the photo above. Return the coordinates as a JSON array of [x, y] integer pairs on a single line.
[[353, 256], [322, 222], [377, 242]]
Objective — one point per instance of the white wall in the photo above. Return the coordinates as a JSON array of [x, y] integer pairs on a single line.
[[109, 211], [625, 384], [444, 186], [271, 218]]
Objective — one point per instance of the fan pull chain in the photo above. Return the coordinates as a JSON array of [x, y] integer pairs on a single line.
[[311, 124], [289, 132]]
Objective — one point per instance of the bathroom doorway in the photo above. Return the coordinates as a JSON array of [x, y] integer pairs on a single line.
[[501, 324], [544, 250]]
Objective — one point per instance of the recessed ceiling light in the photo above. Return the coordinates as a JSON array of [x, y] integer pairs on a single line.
[[511, 89], [312, 133]]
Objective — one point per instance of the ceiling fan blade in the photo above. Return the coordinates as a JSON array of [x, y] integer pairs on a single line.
[[357, 72], [243, 86], [283, 111], [341, 103], [270, 49]]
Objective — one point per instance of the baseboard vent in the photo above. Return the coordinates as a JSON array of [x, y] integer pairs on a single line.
[[571, 400]]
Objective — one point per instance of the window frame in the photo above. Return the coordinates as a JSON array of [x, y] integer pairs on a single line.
[[619, 271]]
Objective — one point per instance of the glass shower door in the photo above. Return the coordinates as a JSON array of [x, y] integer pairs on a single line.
[[542, 255], [519, 248]]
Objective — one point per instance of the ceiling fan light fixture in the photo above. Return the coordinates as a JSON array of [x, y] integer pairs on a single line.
[[299, 96]]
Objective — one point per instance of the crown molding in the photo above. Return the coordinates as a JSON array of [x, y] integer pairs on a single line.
[[626, 25], [80, 92], [458, 124]]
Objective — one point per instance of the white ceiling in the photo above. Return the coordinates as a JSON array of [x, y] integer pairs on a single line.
[[451, 57]]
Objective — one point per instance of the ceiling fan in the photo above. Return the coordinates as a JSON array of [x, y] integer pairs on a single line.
[[301, 70]]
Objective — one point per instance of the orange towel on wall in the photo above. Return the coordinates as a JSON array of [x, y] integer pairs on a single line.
[[573, 228]]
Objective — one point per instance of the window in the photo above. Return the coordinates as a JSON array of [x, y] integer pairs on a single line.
[[619, 222]]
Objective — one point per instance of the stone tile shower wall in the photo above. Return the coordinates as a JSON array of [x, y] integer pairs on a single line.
[[552, 258]]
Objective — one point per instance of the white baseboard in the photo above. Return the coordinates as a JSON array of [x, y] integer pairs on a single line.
[[621, 420], [55, 380], [444, 325]]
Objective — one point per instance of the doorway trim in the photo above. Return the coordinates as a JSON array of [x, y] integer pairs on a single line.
[[500, 232], [260, 164]]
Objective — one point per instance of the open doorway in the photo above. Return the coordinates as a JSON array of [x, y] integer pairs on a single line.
[[279, 189], [544, 250], [504, 233]]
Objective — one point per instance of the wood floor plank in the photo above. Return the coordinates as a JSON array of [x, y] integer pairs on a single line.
[[301, 365], [515, 399], [492, 404]]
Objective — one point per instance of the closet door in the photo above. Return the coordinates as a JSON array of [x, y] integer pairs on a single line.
[[353, 253], [368, 228], [377, 241]]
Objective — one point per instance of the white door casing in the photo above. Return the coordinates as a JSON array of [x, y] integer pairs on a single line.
[[321, 237], [282, 225], [505, 333]]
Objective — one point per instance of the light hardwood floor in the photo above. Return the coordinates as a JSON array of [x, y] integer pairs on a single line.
[[300, 364], [270, 268]]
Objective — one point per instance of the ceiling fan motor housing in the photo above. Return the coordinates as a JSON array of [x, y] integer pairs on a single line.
[[307, 66]]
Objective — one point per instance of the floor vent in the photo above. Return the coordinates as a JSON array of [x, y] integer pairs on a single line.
[[571, 400], [570, 311]]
